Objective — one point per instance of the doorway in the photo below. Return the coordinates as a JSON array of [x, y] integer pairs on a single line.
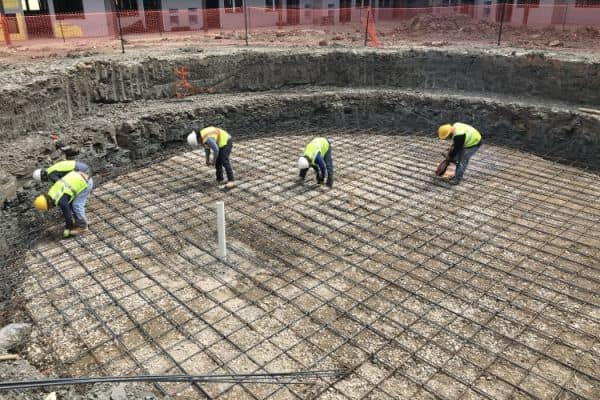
[[153, 15], [212, 14], [293, 12], [37, 19], [345, 11]]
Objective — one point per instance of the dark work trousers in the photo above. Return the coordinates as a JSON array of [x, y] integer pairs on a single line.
[[223, 161], [329, 164], [464, 158]]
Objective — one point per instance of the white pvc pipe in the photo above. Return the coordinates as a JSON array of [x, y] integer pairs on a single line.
[[222, 250]]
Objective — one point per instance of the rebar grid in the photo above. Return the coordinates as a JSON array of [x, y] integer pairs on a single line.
[[485, 290]]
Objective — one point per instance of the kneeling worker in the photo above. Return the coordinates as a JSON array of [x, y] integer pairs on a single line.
[[60, 169], [466, 140], [317, 155], [70, 193], [219, 141]]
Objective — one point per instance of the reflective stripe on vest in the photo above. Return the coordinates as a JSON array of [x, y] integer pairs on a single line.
[[71, 185], [221, 138], [473, 137], [316, 146], [62, 166]]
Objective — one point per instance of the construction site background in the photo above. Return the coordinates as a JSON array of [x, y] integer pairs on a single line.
[[574, 26]]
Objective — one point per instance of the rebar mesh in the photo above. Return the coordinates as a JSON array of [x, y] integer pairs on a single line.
[[488, 289]]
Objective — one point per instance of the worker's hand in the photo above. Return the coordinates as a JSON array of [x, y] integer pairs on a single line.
[[329, 184], [66, 233]]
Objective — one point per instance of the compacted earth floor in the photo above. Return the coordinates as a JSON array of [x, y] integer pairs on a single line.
[[419, 289]]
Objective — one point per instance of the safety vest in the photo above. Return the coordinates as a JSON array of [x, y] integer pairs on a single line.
[[316, 146], [71, 185], [61, 166], [221, 138], [473, 137]]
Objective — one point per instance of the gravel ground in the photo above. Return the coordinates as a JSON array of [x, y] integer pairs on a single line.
[[488, 289]]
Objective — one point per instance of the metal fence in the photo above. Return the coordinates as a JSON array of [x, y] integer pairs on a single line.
[[567, 23]]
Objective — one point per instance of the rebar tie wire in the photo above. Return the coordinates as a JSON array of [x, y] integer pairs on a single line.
[[274, 378]]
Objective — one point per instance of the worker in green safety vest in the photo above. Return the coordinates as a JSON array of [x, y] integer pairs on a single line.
[[60, 169], [70, 193], [317, 154], [221, 144], [466, 140]]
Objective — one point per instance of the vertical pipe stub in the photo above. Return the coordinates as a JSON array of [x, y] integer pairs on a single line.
[[222, 246]]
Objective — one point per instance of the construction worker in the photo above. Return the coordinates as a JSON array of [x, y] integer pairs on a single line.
[[70, 193], [60, 169], [317, 155], [219, 141], [466, 140]]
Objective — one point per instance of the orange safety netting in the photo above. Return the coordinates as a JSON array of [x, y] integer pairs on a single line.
[[369, 23], [184, 88]]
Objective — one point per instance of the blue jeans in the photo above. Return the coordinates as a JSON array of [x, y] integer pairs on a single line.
[[461, 166], [223, 161], [78, 204], [329, 163]]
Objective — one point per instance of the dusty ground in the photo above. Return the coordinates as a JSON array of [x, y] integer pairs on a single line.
[[486, 290], [421, 30]]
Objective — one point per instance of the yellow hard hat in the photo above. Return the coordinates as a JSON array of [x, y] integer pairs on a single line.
[[444, 131], [41, 203]]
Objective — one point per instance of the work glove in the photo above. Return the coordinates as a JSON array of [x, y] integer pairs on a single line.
[[66, 233]]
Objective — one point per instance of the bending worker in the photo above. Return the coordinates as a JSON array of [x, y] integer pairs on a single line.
[[70, 193], [317, 155], [466, 140], [219, 141], [60, 169]]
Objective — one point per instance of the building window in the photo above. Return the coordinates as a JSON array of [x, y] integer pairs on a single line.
[[362, 3], [528, 3], [68, 9], [193, 16], [174, 17], [233, 6], [13, 25], [127, 7], [587, 3], [32, 5], [272, 5]]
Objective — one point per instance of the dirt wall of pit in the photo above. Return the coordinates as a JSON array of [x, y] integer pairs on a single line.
[[64, 92]]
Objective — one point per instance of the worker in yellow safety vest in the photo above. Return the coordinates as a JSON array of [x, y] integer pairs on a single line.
[[219, 141], [466, 140], [60, 169], [70, 193], [317, 154]]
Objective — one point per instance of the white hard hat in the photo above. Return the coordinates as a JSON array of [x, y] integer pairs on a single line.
[[192, 139], [303, 163], [37, 175]]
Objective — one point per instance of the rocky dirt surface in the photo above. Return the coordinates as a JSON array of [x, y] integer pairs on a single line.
[[496, 298]]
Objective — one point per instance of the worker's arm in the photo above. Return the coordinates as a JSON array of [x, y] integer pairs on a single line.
[[458, 144], [322, 171], [55, 176], [66, 210], [212, 145]]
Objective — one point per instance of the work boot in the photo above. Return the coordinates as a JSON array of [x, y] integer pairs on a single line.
[[78, 231]]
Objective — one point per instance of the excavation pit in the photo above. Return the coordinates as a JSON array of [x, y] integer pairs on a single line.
[[488, 289]]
